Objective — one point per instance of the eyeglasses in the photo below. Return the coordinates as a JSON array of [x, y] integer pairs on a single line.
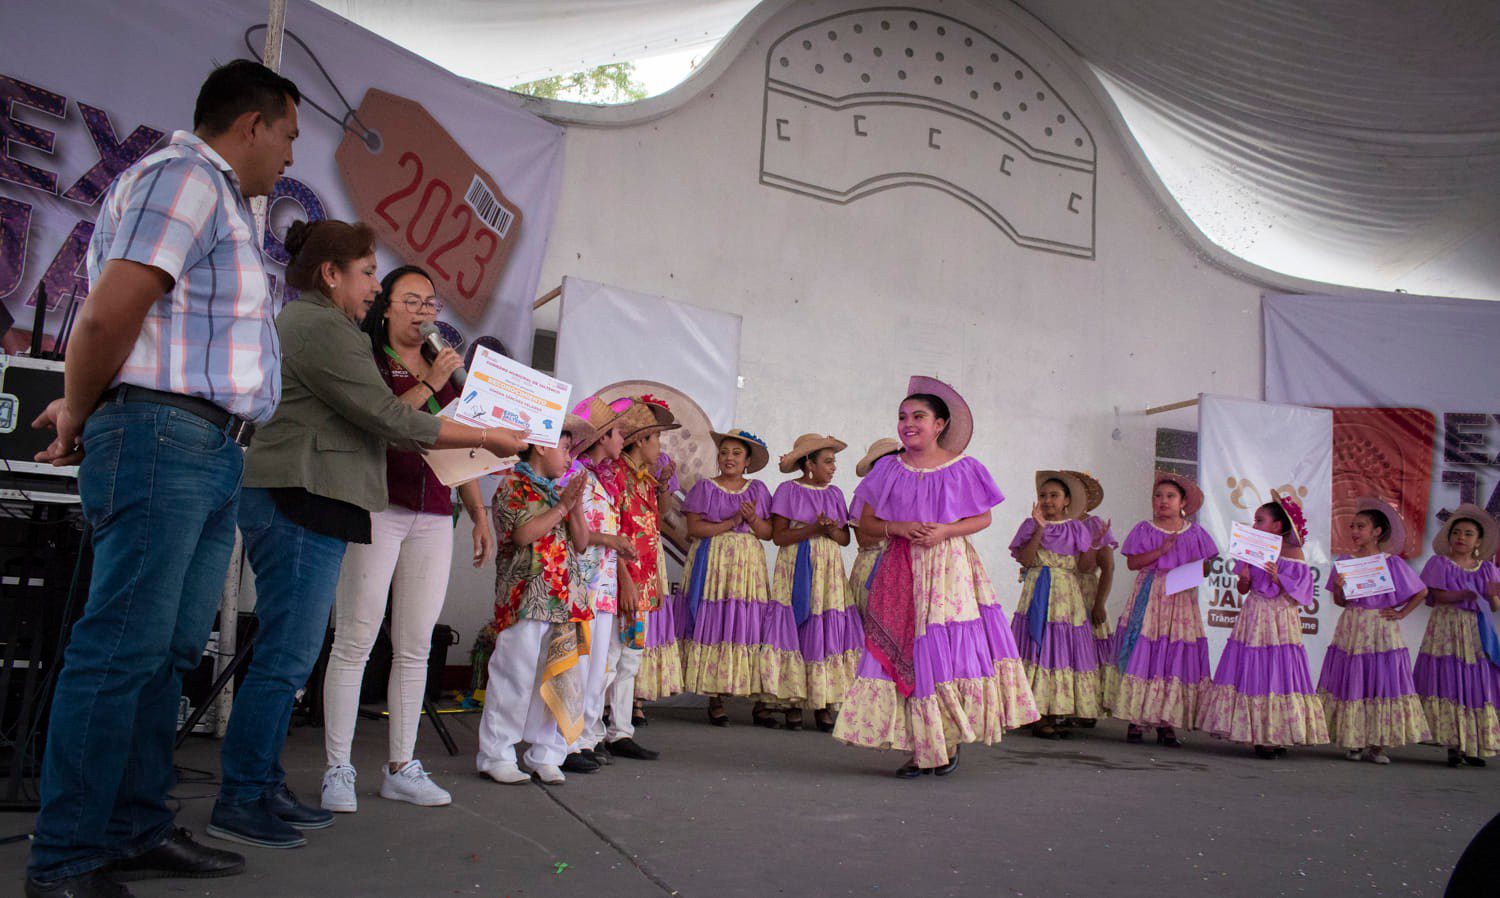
[[414, 306]]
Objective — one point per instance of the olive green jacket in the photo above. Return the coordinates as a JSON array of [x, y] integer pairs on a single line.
[[337, 415]]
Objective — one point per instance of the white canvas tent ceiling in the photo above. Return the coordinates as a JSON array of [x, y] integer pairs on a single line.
[[1346, 141]]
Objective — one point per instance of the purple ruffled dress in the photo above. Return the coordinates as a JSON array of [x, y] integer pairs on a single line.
[[742, 641], [830, 633], [1157, 670], [1104, 538], [1063, 668], [1369, 698], [1458, 682], [968, 681], [1263, 691]]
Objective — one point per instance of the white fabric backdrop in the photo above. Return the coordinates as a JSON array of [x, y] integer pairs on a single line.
[[694, 349], [1245, 450], [119, 58], [1340, 141]]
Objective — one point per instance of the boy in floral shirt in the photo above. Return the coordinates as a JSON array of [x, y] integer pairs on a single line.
[[536, 690]]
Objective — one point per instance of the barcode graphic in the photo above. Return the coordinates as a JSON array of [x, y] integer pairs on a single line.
[[489, 210]]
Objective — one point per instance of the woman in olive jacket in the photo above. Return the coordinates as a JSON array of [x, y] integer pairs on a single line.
[[313, 475]]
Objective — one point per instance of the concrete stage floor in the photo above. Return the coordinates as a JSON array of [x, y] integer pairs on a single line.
[[745, 811]]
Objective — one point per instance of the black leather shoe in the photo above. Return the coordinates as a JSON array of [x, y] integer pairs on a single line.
[[285, 805], [601, 754], [93, 884], [628, 748], [577, 762], [952, 764], [179, 856], [910, 770]]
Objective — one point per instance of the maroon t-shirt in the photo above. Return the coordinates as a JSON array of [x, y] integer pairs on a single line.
[[408, 480]]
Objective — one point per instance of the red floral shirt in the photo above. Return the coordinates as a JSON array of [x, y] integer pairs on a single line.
[[533, 582], [638, 523]]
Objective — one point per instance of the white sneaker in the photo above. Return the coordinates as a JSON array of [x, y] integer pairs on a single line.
[[338, 790], [1354, 754], [412, 784], [549, 774], [1377, 756], [506, 773]]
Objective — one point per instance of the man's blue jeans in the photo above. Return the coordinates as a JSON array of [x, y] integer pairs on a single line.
[[296, 578], [159, 487]]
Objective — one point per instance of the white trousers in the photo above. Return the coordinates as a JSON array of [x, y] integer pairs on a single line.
[[602, 634], [513, 708], [619, 689], [408, 559]]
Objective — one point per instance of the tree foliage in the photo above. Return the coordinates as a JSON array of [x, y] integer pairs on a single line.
[[609, 84]]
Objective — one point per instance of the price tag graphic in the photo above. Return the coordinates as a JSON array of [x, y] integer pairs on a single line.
[[428, 200]]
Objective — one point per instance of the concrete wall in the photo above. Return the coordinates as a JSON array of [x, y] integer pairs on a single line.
[[1058, 344]]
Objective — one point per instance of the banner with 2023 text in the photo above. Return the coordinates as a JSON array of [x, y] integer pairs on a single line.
[[452, 175]]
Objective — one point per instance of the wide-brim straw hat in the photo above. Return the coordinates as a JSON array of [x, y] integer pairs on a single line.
[[760, 456], [1395, 541], [600, 416], [955, 438], [878, 450], [806, 445], [1092, 487], [581, 431], [649, 415], [1194, 496], [1293, 509], [1078, 494], [1488, 542]]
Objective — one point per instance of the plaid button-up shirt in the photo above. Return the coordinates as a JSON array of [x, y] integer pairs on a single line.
[[213, 335]]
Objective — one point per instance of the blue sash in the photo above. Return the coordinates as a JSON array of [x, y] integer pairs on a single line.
[[1137, 618], [1036, 613], [1487, 635], [802, 583], [695, 583], [873, 568]]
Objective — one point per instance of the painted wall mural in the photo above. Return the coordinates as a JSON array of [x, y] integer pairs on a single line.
[[880, 98]]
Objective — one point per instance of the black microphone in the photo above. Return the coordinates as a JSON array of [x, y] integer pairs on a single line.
[[432, 339]]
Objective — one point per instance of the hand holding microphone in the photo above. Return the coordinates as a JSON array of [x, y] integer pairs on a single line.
[[434, 348]]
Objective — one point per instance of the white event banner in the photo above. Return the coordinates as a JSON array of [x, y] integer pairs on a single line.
[[1246, 449], [607, 334]]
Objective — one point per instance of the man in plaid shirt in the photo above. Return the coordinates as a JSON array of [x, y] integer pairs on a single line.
[[173, 359]]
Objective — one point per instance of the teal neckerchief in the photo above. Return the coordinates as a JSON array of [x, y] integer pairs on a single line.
[[548, 488], [432, 403]]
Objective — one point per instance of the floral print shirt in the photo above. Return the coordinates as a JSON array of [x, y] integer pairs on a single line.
[[535, 581], [638, 522]]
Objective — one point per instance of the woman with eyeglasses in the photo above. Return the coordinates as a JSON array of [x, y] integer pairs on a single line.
[[407, 558]]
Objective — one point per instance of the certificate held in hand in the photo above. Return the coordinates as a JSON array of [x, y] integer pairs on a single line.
[[1368, 576], [1254, 547]]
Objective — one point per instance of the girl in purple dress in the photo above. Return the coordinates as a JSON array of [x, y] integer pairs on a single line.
[[1366, 686], [743, 642], [1263, 691], [1159, 669], [1457, 673], [940, 667], [1096, 577], [810, 523], [1051, 624]]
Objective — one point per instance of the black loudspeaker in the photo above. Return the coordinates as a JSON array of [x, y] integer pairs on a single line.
[[44, 574]]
